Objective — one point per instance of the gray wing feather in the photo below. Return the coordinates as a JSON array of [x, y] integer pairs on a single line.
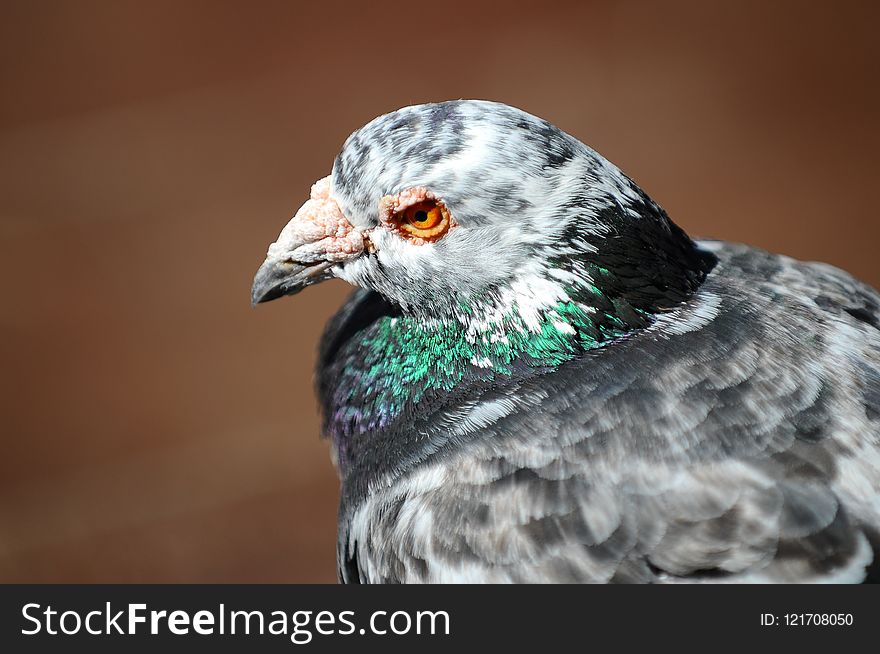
[[737, 440]]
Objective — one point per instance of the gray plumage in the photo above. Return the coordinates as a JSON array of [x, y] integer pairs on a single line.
[[715, 415]]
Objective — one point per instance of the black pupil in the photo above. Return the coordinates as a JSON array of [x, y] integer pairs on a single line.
[[421, 216]]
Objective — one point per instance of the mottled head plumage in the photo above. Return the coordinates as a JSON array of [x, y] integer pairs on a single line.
[[532, 207], [517, 186]]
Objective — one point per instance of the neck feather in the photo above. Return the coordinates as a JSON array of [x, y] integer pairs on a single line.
[[394, 362]]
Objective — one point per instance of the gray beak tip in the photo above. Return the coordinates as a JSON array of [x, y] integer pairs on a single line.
[[275, 279], [268, 283]]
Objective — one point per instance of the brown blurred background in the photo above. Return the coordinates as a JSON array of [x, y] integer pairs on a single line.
[[154, 426]]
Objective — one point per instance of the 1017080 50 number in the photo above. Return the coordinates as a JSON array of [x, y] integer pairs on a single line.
[[818, 619]]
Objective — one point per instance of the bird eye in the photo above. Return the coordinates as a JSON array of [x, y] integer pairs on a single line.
[[426, 220], [416, 214]]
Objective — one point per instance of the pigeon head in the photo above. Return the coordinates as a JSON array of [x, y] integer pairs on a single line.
[[499, 247], [476, 211]]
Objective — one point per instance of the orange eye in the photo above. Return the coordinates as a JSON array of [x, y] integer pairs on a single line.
[[426, 220]]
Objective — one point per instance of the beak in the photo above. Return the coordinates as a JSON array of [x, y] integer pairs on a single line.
[[316, 239], [277, 278]]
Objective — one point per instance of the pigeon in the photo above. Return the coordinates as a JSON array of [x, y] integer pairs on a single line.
[[541, 378]]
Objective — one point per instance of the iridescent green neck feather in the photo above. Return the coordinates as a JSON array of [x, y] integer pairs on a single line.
[[398, 359]]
